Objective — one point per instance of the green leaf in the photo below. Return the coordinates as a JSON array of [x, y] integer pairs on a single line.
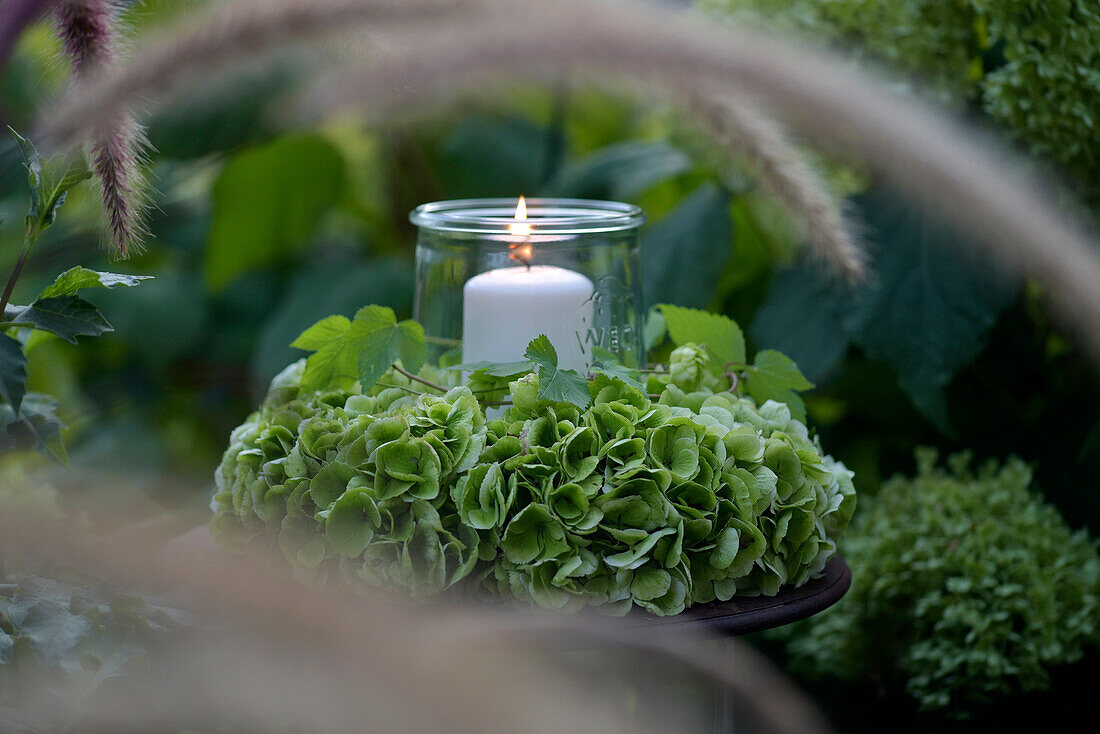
[[36, 426], [380, 341], [339, 286], [13, 372], [775, 376], [801, 317], [496, 369], [362, 349], [721, 334], [686, 251], [268, 201], [489, 155], [620, 172], [75, 279], [323, 333], [65, 316], [48, 186], [929, 312], [555, 384]]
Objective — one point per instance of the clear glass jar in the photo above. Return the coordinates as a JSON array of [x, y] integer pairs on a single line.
[[493, 274]]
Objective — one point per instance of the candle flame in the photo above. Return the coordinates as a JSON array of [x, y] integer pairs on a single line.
[[520, 228]]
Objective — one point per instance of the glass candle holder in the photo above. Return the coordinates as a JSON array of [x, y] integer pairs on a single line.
[[493, 274]]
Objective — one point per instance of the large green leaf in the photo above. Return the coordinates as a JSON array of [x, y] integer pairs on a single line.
[[802, 318], [65, 316], [556, 384], [13, 372], [381, 340], [686, 251], [268, 201], [228, 111], [621, 171], [774, 376], [362, 349], [74, 279], [932, 304], [926, 312], [720, 334], [496, 156]]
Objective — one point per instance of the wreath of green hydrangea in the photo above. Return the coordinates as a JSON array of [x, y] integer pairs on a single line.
[[660, 495]]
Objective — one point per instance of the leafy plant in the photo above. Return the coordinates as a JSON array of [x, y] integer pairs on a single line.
[[770, 376], [927, 315], [966, 588], [1028, 63], [31, 418], [584, 492]]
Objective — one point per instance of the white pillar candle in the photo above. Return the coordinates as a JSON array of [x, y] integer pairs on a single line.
[[504, 309]]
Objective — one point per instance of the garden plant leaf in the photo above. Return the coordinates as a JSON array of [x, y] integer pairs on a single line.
[[77, 278], [721, 335], [13, 372], [556, 384], [775, 376], [64, 316]]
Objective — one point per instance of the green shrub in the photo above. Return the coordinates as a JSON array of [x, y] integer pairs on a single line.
[[966, 587], [1032, 64]]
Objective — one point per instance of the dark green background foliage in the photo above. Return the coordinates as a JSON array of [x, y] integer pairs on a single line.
[[967, 587]]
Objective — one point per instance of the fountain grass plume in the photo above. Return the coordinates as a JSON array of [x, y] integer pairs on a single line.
[[786, 174], [87, 31], [941, 164]]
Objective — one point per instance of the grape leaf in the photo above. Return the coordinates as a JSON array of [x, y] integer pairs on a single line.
[[930, 312], [324, 332], [380, 340], [720, 334], [363, 348], [65, 316], [13, 372], [775, 376], [74, 279], [556, 384]]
